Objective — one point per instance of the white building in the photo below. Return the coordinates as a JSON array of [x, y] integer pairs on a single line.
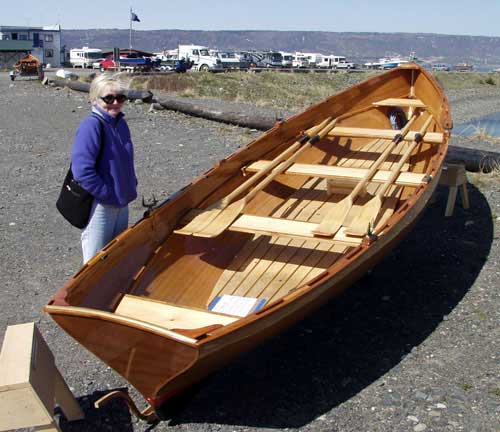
[[45, 42]]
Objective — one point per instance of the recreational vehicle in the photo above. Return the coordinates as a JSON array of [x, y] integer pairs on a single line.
[[84, 57]]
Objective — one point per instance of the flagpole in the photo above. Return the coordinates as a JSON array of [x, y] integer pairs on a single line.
[[130, 38]]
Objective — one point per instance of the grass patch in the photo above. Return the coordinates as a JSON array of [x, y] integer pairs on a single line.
[[290, 91], [468, 80], [495, 392]]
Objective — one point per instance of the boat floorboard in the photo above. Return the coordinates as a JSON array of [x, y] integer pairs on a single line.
[[270, 267]]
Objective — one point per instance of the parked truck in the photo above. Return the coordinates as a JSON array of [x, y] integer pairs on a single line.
[[200, 57]]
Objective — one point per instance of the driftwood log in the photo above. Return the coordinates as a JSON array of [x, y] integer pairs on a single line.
[[234, 118], [474, 159], [144, 95]]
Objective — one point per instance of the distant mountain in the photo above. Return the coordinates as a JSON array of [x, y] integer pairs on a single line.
[[479, 50]]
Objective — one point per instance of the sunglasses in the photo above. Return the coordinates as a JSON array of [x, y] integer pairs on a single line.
[[109, 99]]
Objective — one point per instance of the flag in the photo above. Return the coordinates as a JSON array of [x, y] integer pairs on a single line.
[[134, 17]]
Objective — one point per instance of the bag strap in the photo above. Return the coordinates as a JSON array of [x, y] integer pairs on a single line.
[[101, 136]]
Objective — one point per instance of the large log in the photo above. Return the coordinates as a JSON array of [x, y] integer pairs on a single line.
[[234, 118], [474, 159], [144, 95]]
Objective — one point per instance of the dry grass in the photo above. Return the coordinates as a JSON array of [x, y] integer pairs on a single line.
[[286, 91]]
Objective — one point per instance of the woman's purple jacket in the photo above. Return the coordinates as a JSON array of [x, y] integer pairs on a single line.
[[112, 180]]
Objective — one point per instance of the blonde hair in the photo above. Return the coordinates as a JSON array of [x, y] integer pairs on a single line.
[[102, 81]]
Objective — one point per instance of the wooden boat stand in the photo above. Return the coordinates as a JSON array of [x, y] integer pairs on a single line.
[[454, 176], [30, 383]]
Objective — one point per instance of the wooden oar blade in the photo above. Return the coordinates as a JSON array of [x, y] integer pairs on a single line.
[[334, 219], [223, 220], [199, 222], [365, 219]]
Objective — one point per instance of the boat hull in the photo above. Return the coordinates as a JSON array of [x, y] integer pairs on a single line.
[[164, 358]]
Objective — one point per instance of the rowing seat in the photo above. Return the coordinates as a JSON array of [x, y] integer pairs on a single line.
[[396, 102], [354, 132], [288, 228], [343, 174], [169, 316]]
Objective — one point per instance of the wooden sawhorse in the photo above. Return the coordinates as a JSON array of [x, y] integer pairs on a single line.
[[30, 383], [454, 176]]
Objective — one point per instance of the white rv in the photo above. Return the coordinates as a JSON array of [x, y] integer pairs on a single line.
[[300, 60], [287, 61], [331, 61], [84, 57], [313, 59], [200, 56]]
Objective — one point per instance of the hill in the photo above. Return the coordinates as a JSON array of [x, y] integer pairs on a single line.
[[479, 50]]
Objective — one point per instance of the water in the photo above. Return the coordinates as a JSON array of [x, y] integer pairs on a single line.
[[489, 125]]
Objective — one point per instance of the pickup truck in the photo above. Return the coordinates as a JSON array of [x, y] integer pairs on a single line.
[[127, 62], [345, 65]]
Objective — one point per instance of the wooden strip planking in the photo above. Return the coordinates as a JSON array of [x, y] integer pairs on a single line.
[[292, 275], [231, 279], [293, 206]]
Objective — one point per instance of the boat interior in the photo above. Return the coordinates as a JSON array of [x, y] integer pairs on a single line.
[[271, 248]]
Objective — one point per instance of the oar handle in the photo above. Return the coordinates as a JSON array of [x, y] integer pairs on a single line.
[[419, 136], [277, 160], [371, 172], [286, 164]]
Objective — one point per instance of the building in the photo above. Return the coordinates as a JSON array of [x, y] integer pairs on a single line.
[[42, 42]]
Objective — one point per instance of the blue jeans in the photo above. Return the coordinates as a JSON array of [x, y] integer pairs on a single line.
[[105, 223]]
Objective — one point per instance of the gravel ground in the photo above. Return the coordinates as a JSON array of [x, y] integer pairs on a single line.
[[413, 346]]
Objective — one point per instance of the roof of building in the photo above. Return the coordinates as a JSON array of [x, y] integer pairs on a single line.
[[56, 27], [16, 45]]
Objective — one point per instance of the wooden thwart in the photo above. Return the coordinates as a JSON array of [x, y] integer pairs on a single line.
[[396, 102], [343, 131], [167, 315], [343, 173], [288, 228]]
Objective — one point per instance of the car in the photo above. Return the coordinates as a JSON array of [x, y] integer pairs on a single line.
[[345, 65]]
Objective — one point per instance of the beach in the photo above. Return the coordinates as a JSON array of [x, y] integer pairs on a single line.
[[413, 346]]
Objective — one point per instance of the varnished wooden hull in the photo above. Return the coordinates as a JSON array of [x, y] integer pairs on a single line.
[[185, 273]]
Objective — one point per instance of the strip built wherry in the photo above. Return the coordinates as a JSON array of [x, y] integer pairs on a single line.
[[263, 238]]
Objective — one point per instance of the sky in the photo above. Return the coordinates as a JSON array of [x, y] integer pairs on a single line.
[[457, 17]]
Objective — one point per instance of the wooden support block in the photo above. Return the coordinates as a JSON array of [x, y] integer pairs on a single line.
[[454, 176], [30, 383]]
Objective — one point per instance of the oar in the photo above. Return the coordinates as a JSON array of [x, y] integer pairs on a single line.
[[207, 216], [335, 217], [232, 211], [371, 209]]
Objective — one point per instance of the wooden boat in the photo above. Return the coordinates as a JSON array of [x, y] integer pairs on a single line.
[[210, 273]]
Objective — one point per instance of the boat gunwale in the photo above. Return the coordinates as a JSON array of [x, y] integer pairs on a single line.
[[84, 312]]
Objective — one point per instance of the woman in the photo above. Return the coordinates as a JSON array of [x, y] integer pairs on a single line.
[[102, 162]]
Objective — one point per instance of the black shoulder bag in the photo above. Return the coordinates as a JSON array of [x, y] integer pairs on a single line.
[[74, 202]]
